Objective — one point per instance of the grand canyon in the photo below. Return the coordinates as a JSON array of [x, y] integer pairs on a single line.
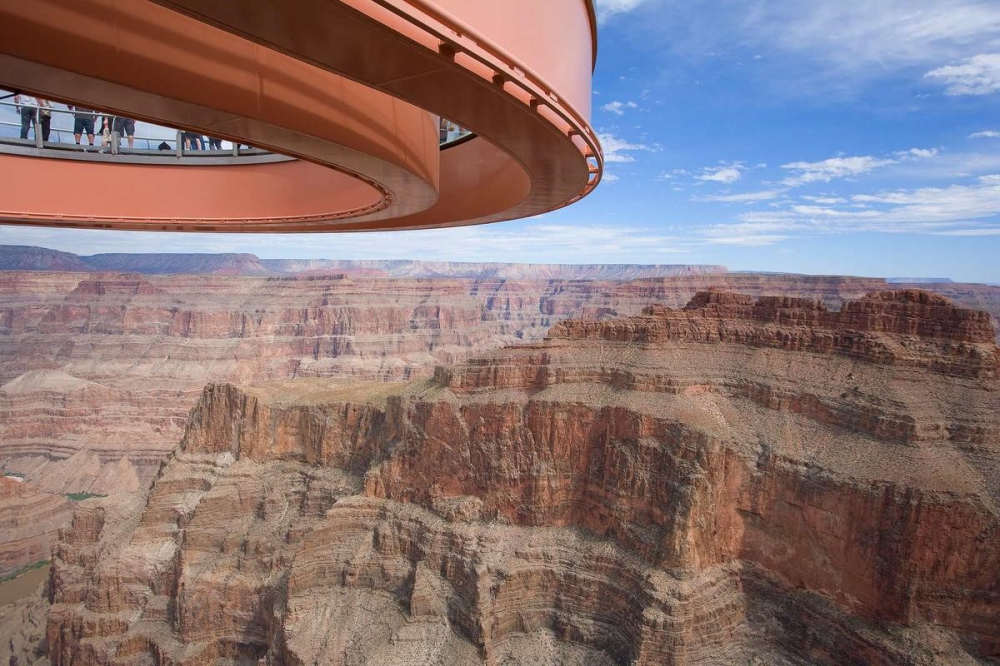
[[231, 460]]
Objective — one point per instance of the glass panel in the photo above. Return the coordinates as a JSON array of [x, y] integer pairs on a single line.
[[452, 132], [97, 131]]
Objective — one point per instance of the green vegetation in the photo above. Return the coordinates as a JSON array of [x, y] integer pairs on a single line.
[[79, 497], [23, 570], [17, 474]]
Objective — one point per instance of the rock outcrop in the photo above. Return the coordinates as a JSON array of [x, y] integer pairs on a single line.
[[741, 481]]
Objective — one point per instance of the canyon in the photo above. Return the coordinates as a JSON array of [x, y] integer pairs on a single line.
[[752, 480], [99, 372]]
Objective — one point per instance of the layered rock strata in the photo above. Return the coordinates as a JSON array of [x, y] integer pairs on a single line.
[[29, 522], [741, 481], [98, 371]]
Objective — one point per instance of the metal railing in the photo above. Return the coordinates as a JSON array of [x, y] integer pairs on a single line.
[[157, 141], [455, 37]]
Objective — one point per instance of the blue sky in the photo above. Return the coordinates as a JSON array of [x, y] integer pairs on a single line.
[[777, 135]]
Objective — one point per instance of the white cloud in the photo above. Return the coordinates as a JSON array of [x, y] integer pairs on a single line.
[[608, 8], [618, 108], [987, 231], [916, 153], [979, 75], [847, 167], [827, 48], [724, 173], [933, 206], [744, 197], [609, 177], [835, 167], [616, 150], [971, 210], [826, 201], [671, 175], [886, 33], [987, 134]]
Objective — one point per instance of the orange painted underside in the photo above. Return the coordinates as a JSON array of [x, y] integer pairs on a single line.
[[350, 88]]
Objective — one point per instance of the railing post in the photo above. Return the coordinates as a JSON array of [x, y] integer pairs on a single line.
[[180, 144], [38, 130], [236, 149], [116, 140]]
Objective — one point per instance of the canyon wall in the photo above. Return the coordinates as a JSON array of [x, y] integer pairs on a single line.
[[98, 371], [760, 481]]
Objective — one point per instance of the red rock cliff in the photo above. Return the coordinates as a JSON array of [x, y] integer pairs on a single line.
[[715, 485]]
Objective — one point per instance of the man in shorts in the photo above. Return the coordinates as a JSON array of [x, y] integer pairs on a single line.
[[83, 121], [125, 126]]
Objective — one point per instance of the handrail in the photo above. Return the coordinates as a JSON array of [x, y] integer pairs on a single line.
[[538, 90], [175, 142]]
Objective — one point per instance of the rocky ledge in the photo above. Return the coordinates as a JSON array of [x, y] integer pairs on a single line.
[[891, 327], [729, 483]]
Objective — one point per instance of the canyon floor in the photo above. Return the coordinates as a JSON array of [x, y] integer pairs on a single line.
[[744, 479]]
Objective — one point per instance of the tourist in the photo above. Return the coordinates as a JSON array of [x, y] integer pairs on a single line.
[[125, 126], [192, 141], [83, 121], [27, 107], [164, 146], [214, 143], [105, 126], [45, 117]]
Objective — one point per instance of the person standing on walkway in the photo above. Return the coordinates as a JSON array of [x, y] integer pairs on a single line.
[[83, 121], [27, 106], [45, 117], [125, 127], [104, 125]]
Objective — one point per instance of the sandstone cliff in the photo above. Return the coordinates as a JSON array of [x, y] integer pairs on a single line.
[[741, 481]]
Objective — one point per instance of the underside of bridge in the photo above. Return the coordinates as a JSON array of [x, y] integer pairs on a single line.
[[353, 90]]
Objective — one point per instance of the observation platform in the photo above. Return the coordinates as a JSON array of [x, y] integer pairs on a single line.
[[296, 115]]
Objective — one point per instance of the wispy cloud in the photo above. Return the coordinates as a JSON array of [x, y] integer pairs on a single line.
[[825, 200], [608, 8], [743, 197], [617, 150], [723, 173], [834, 168], [970, 209], [830, 48], [889, 34], [979, 75], [986, 231], [618, 108], [986, 134], [829, 169]]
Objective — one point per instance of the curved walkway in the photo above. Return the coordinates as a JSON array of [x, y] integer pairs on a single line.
[[351, 87]]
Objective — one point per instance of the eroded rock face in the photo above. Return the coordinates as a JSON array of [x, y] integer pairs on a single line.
[[106, 366], [722, 484], [29, 521]]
